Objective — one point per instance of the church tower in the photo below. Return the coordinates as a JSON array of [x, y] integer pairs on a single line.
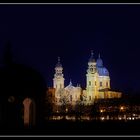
[[58, 80], [92, 80]]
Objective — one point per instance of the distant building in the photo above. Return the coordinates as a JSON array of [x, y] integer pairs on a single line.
[[97, 85]]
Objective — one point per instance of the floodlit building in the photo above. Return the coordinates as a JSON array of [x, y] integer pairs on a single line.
[[97, 85], [64, 95]]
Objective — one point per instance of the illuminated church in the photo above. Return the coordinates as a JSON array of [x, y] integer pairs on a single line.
[[97, 85]]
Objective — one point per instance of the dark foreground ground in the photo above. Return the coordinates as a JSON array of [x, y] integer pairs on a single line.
[[79, 128]]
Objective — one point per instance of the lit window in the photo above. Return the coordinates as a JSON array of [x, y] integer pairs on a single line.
[[106, 84], [100, 84], [90, 83], [90, 98], [71, 98], [95, 83]]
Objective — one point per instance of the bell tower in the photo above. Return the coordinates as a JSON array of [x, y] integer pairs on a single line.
[[58, 80], [92, 77]]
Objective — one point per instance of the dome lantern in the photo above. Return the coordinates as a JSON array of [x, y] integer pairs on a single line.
[[99, 62]]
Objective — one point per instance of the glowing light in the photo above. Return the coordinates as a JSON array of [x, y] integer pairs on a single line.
[[101, 110], [102, 118], [66, 110], [133, 118], [120, 118], [121, 108], [129, 118], [107, 117], [27, 103]]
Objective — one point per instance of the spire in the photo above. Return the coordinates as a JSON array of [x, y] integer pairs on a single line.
[[78, 85], [58, 59], [91, 57], [92, 53], [99, 61], [99, 56], [58, 63], [70, 83]]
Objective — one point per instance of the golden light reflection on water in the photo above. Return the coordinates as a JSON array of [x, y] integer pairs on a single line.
[[88, 118]]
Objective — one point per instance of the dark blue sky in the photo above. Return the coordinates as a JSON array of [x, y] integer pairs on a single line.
[[41, 33]]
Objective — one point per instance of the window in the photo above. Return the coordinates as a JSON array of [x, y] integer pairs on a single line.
[[90, 98], [71, 98], [106, 84], [95, 83], [90, 83], [81, 97], [100, 84]]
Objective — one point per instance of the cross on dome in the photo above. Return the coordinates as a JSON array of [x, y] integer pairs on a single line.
[[99, 56]]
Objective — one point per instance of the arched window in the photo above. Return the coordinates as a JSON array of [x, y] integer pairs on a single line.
[[71, 98], [90, 98], [89, 83], [29, 112], [100, 84], [95, 83], [91, 69], [106, 84]]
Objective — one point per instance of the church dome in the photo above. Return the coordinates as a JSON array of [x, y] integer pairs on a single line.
[[102, 71], [100, 68]]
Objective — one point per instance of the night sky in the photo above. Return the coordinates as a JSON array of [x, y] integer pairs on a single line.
[[41, 33]]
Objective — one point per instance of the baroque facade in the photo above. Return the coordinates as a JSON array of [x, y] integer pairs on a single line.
[[97, 85]]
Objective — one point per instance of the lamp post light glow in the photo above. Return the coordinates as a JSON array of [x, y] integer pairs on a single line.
[[66, 110], [121, 108], [102, 118], [101, 110]]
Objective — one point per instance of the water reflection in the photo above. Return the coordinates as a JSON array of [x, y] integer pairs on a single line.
[[102, 118]]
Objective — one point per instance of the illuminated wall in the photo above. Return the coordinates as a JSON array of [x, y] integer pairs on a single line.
[[58, 80]]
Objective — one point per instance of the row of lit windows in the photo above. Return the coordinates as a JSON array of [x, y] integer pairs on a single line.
[[100, 84], [60, 86]]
